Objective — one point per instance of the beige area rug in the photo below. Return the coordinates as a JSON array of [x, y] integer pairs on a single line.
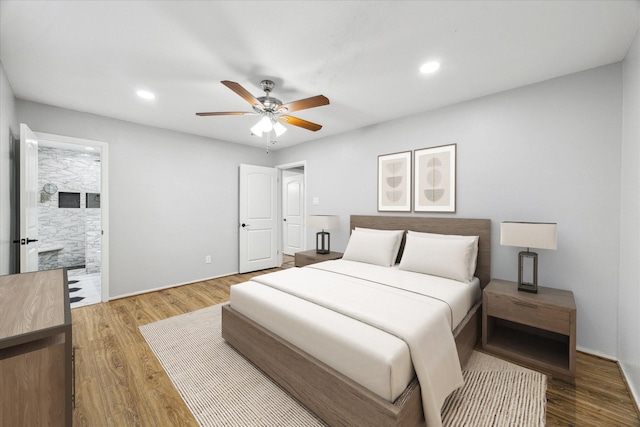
[[221, 388]]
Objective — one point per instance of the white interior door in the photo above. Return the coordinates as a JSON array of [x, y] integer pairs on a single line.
[[293, 213], [28, 200], [258, 218]]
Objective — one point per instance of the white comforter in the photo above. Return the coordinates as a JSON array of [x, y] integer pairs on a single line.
[[424, 323]]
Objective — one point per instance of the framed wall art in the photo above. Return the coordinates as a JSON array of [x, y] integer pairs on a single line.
[[394, 182], [435, 179]]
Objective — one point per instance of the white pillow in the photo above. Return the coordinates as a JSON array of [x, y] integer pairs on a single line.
[[398, 233], [452, 258], [379, 247], [473, 240]]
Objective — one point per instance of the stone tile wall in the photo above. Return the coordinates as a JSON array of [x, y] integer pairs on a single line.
[[77, 231]]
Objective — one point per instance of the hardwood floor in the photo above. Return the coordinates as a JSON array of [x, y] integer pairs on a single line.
[[119, 382]]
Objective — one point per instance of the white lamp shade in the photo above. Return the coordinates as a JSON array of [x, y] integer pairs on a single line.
[[264, 125], [323, 222], [279, 129], [539, 235], [257, 129]]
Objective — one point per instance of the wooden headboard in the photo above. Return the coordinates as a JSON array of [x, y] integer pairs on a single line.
[[461, 226]]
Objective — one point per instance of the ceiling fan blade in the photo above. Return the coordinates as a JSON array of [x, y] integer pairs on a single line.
[[226, 113], [300, 123], [303, 104], [245, 94]]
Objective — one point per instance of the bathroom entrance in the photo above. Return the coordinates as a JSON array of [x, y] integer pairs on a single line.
[[69, 217], [70, 211]]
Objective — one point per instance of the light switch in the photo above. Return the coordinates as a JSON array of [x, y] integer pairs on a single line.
[[316, 201]]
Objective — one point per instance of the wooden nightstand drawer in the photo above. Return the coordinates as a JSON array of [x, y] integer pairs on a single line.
[[529, 313]]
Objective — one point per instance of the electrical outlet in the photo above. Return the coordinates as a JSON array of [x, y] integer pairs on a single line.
[[207, 259]]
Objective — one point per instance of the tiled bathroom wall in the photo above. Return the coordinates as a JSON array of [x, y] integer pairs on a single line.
[[68, 237]]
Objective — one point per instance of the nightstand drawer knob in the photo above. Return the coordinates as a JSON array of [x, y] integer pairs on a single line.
[[525, 304]]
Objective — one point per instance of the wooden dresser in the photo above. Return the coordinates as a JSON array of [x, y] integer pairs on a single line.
[[36, 372]]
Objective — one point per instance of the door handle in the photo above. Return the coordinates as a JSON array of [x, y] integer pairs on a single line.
[[25, 241], [245, 225], [285, 220]]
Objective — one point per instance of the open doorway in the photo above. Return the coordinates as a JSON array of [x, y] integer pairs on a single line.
[[72, 214], [293, 211], [69, 217]]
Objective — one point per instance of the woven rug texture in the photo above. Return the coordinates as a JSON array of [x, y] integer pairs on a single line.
[[221, 388]]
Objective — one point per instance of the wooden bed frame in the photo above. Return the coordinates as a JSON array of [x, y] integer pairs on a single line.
[[336, 399]]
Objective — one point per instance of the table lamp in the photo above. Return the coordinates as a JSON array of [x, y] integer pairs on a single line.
[[537, 235], [323, 222]]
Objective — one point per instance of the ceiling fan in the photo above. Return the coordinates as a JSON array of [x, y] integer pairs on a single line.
[[272, 110]]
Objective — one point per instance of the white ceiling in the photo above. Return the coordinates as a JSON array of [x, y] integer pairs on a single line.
[[363, 55]]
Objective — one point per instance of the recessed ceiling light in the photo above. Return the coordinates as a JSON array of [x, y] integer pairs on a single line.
[[144, 94], [430, 67]]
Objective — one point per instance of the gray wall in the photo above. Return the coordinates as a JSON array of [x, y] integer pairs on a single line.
[[629, 298], [8, 124], [545, 152], [173, 197]]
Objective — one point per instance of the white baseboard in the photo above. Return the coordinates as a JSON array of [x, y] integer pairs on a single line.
[[635, 393], [146, 291], [597, 353]]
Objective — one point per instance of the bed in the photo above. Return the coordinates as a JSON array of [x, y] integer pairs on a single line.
[[326, 389]]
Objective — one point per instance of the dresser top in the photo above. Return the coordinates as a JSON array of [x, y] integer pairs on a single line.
[[31, 302]]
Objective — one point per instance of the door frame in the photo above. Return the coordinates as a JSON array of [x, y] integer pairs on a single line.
[[293, 165], [104, 198]]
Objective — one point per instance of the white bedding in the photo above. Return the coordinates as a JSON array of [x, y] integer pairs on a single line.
[[459, 295], [381, 358]]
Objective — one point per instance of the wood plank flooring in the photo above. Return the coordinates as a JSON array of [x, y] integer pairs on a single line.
[[120, 383]]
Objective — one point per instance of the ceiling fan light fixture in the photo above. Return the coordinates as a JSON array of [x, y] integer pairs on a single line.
[[265, 124], [257, 129], [279, 129]]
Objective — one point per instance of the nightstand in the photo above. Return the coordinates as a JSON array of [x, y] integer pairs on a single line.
[[537, 330], [312, 257]]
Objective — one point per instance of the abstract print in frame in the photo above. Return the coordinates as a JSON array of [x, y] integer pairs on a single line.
[[394, 182], [435, 179]]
